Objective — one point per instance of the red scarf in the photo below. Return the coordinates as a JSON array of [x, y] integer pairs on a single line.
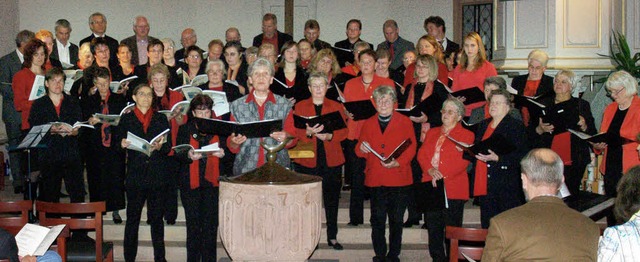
[[145, 119], [106, 138], [211, 173]]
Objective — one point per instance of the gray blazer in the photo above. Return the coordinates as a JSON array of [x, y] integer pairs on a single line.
[[399, 47], [9, 65], [132, 43]]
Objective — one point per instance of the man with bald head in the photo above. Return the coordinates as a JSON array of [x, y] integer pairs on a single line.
[[187, 39], [138, 42], [98, 26], [545, 228]]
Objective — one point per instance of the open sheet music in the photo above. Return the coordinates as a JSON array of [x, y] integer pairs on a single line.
[[35, 240], [143, 146]]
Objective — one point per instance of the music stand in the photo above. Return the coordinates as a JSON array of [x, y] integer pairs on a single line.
[[31, 141]]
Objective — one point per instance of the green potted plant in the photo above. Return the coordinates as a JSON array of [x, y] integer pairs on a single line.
[[621, 55]]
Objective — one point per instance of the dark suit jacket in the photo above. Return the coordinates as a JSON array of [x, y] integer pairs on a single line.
[[400, 46], [143, 171], [546, 84], [132, 43], [8, 246], [344, 56], [59, 149], [111, 43], [505, 173], [579, 148], [73, 53], [544, 229], [282, 38], [451, 47], [230, 90], [9, 65]]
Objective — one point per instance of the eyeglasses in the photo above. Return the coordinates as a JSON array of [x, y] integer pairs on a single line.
[[195, 56], [449, 112], [612, 93]]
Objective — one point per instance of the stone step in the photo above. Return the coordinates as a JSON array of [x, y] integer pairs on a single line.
[[346, 234], [176, 251]]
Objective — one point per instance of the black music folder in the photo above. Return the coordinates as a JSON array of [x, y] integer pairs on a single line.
[[562, 116], [395, 154], [429, 105], [610, 139], [496, 142], [253, 129], [332, 121], [472, 95], [361, 110]]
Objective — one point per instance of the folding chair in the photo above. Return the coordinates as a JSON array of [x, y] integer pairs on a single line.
[[456, 234]]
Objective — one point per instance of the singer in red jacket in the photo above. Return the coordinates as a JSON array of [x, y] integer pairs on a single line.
[[390, 181]]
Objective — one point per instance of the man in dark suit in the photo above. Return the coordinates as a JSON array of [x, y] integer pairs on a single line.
[[138, 43], [545, 228], [312, 34], [63, 50], [270, 33], [10, 64], [354, 26], [187, 39], [434, 25], [98, 26], [396, 45]]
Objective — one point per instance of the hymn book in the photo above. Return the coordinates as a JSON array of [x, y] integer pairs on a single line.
[[496, 143], [331, 121], [143, 146], [35, 240], [113, 120], [117, 86], [180, 108], [360, 110], [394, 154], [471, 95], [37, 89], [212, 148]]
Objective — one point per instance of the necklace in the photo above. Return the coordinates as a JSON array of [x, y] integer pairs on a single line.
[[384, 119], [259, 97], [366, 83]]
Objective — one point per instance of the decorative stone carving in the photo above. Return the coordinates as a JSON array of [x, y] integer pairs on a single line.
[[271, 213]]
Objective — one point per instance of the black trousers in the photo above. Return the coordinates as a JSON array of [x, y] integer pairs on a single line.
[[355, 165], [51, 176], [388, 202], [415, 215], [201, 210], [171, 196], [136, 197], [331, 185], [15, 137], [611, 180], [436, 221], [495, 203]]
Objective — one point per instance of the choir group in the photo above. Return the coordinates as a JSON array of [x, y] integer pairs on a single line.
[[432, 100]]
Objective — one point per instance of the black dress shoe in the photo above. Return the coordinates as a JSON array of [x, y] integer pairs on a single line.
[[336, 245], [18, 190], [171, 222], [353, 224], [346, 187], [117, 219]]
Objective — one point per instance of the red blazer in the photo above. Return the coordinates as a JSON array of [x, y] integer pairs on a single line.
[[22, 83], [354, 91], [452, 166], [443, 74], [629, 129], [399, 129], [333, 148]]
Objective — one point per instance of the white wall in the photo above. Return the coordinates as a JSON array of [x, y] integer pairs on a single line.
[[9, 25], [211, 18]]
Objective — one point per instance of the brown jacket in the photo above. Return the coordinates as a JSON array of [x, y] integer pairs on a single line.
[[544, 229]]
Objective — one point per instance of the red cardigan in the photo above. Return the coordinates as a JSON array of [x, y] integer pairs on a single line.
[[443, 74], [354, 91], [333, 148], [22, 83], [463, 79], [399, 129], [452, 166], [629, 129]]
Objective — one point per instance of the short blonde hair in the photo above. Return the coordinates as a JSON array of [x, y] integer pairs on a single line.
[[573, 80], [43, 33], [624, 79], [335, 67], [538, 55], [384, 90]]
